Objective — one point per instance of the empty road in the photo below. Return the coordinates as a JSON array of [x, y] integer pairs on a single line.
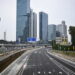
[[40, 63]]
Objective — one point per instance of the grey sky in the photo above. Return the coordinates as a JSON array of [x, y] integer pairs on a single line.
[[57, 10]]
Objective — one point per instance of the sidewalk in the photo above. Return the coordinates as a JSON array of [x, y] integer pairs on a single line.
[[64, 56]]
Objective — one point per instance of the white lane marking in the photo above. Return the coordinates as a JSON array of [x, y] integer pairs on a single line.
[[49, 57], [62, 58], [25, 65], [44, 72], [33, 73], [39, 72], [60, 73], [57, 63], [49, 72]]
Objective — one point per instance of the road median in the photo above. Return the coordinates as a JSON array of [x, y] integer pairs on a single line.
[[8, 60]]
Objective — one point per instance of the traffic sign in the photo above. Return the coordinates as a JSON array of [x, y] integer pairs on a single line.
[[31, 39]]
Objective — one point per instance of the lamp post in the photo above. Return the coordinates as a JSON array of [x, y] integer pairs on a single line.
[[0, 18]]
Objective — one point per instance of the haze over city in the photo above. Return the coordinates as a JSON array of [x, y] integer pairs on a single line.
[[57, 10], [37, 37]]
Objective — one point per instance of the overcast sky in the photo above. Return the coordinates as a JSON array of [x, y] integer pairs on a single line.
[[57, 10]]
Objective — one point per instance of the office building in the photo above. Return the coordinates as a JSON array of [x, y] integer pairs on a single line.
[[61, 33], [23, 17], [43, 27], [51, 32], [33, 24], [62, 29]]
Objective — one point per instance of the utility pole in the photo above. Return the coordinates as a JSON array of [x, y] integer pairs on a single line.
[[0, 19]]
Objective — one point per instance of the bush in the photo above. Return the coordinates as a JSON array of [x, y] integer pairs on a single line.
[[63, 47]]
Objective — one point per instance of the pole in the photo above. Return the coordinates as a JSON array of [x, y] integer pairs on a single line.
[[0, 18], [5, 36]]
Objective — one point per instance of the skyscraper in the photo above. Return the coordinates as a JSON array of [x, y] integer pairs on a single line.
[[61, 33], [33, 24], [23, 15], [43, 22], [51, 32], [62, 29]]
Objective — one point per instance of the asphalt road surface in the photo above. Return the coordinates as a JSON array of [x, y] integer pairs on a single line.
[[40, 64]]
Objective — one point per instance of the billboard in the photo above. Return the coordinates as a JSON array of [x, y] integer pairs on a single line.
[[31, 39]]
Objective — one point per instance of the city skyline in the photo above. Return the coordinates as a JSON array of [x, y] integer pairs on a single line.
[[56, 9]]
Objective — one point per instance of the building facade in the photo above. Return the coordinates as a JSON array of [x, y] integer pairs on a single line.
[[22, 24], [62, 29], [43, 27], [61, 33], [51, 32], [33, 25]]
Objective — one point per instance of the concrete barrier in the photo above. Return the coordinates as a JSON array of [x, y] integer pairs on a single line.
[[14, 68], [4, 63]]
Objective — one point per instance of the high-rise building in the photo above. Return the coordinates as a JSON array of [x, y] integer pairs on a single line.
[[62, 29], [51, 32], [22, 24], [43, 26], [61, 33], [33, 24]]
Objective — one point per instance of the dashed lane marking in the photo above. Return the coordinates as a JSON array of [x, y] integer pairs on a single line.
[[39, 72], [49, 72], [60, 73]]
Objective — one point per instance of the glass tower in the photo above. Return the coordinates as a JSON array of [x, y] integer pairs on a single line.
[[43, 22], [22, 22], [51, 32], [62, 28]]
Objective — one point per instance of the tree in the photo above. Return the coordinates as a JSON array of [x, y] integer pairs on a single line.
[[3, 42], [72, 33], [53, 43]]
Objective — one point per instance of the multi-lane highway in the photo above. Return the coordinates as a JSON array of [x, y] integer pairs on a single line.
[[40, 63]]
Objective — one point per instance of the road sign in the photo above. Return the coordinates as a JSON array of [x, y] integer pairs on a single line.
[[31, 39]]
